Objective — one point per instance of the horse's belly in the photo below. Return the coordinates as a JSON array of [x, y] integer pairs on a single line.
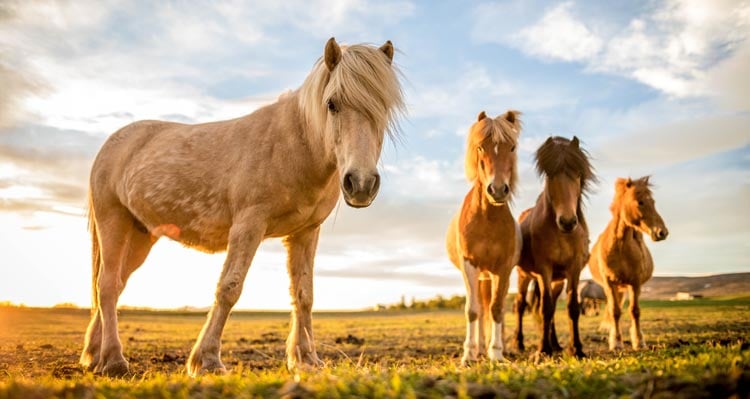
[[197, 221]]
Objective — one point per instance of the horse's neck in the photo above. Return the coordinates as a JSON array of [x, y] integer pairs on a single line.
[[621, 230], [319, 144]]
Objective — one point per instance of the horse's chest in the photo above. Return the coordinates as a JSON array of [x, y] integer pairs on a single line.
[[629, 263], [487, 247], [293, 214]]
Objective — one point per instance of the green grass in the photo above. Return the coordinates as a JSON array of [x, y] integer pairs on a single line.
[[696, 349]]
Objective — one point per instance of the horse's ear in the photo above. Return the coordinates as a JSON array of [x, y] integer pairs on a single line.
[[645, 179], [512, 116], [387, 49], [621, 184], [481, 116], [332, 54], [629, 183], [575, 142]]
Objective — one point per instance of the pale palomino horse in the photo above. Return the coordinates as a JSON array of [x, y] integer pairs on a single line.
[[620, 261], [277, 172], [483, 239]]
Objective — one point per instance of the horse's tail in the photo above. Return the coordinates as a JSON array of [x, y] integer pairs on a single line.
[[96, 256]]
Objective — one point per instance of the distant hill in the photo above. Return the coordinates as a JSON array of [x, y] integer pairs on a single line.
[[708, 286]]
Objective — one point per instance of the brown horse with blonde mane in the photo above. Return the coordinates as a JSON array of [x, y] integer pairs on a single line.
[[483, 240], [556, 237], [620, 260], [277, 172]]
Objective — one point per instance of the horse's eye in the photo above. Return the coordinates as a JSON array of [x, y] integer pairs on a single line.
[[513, 149], [332, 106], [480, 149], [640, 203]]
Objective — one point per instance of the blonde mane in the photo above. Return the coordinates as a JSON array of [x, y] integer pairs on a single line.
[[502, 129], [642, 189], [364, 80]]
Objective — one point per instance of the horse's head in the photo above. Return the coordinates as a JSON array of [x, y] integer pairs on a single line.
[[491, 155], [353, 97], [636, 206], [567, 174]]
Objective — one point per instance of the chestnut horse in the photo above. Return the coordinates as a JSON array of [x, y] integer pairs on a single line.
[[483, 239], [228, 185], [620, 260], [555, 237]]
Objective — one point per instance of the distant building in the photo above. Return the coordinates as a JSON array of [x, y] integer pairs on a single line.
[[686, 296]]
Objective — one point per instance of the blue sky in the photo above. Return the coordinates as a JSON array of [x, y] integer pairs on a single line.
[[650, 87]]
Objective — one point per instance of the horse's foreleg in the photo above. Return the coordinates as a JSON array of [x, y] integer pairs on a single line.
[[301, 249], [574, 312], [471, 344], [499, 292], [636, 336], [244, 240], [544, 283], [523, 288], [613, 314], [485, 318], [556, 291]]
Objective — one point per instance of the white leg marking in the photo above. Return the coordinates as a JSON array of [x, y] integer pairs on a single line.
[[496, 344], [471, 345]]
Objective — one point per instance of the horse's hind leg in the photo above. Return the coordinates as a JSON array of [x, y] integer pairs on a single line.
[[138, 246], [523, 287], [636, 336], [301, 249], [124, 247]]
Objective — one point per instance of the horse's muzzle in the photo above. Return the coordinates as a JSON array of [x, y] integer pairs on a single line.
[[498, 195], [567, 225], [659, 234], [359, 191]]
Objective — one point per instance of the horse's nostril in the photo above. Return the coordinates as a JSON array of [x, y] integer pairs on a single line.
[[348, 183], [375, 184], [490, 189], [506, 189]]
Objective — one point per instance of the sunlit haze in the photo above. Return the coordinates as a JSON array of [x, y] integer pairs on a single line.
[[650, 88]]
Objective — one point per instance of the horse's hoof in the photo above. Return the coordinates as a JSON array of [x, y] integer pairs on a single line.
[[198, 365], [308, 362], [114, 369], [539, 357], [496, 355], [578, 353]]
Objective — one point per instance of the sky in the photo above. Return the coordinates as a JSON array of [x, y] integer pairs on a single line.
[[657, 88]]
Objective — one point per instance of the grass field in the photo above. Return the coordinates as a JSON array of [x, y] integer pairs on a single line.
[[696, 349]]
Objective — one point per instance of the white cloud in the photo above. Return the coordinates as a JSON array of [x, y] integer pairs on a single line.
[[559, 35], [673, 48]]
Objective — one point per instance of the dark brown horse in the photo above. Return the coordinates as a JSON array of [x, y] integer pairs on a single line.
[[556, 237]]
